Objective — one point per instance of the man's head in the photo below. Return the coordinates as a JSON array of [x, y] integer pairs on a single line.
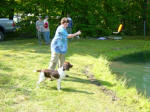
[[46, 17], [40, 17]]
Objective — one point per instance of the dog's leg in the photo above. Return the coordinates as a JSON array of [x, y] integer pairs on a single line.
[[51, 78], [41, 79], [58, 84]]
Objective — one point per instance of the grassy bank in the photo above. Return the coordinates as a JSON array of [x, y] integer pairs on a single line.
[[18, 93]]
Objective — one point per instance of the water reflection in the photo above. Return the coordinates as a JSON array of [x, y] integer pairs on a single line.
[[136, 74]]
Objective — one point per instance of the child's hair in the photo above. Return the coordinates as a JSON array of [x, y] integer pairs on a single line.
[[64, 20]]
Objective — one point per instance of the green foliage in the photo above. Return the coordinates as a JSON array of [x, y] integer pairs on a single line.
[[93, 17]]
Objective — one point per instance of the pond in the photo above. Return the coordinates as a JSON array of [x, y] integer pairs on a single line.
[[136, 74]]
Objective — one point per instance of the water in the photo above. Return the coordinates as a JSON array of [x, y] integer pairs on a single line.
[[136, 74], [146, 78]]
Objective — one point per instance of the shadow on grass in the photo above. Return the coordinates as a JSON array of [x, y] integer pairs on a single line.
[[16, 89], [25, 44], [137, 57], [5, 68], [7, 82], [86, 81], [72, 90], [5, 79]]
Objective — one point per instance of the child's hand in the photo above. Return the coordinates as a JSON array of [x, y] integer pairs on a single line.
[[78, 33]]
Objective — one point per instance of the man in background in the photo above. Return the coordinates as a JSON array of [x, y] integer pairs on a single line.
[[70, 25], [40, 29], [46, 30]]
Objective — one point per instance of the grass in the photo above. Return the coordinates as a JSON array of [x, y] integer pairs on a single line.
[[18, 93]]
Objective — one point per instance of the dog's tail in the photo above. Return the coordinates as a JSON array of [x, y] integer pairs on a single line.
[[37, 70]]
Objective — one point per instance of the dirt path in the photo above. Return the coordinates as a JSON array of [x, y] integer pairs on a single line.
[[93, 80]]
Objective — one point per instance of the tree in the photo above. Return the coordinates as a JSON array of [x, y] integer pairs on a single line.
[[93, 17]]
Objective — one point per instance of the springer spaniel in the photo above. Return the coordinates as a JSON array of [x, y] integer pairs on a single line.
[[57, 74]]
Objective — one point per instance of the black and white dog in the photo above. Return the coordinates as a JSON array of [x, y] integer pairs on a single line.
[[57, 74]]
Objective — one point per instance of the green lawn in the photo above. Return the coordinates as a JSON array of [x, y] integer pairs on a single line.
[[106, 60]]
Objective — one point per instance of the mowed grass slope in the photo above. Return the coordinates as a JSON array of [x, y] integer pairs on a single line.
[[18, 92]]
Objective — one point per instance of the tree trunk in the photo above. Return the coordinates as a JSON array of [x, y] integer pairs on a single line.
[[11, 10], [145, 15]]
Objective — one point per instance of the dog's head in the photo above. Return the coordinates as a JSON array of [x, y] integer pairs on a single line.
[[67, 66]]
